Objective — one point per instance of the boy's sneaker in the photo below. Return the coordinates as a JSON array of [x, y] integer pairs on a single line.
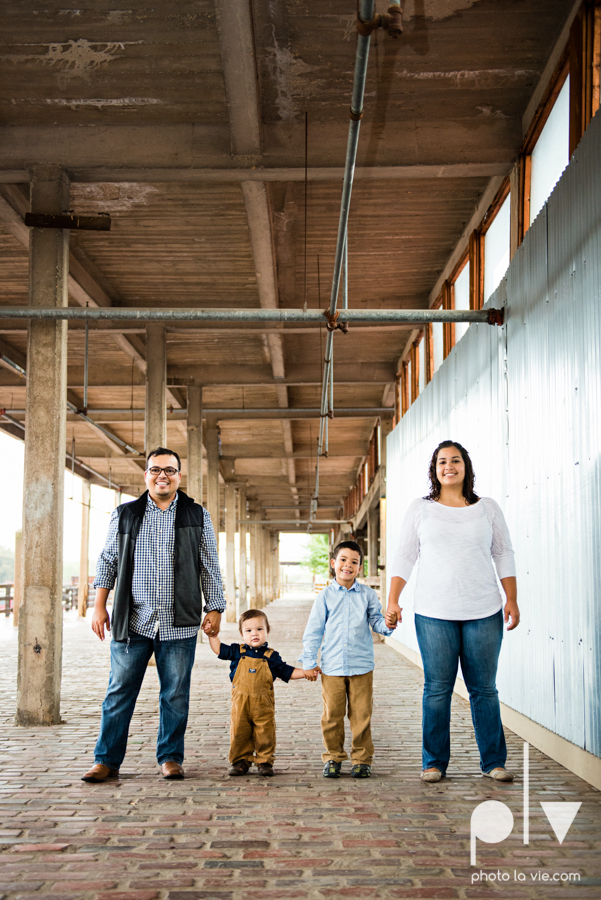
[[265, 769], [332, 769], [239, 768], [361, 771]]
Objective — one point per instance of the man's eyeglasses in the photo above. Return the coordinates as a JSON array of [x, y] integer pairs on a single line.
[[168, 470]]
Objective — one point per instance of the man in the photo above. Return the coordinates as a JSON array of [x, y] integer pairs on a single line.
[[159, 550]]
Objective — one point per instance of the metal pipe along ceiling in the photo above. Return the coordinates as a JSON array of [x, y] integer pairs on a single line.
[[306, 316]]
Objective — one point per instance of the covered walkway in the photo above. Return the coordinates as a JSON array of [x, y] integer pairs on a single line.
[[297, 835]]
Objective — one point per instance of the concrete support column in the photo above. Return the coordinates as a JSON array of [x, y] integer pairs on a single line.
[[41, 613], [269, 567], [261, 602], [277, 567], [18, 582], [212, 447], [373, 528], [386, 428], [194, 482], [230, 551], [253, 585], [242, 529], [82, 591], [156, 385]]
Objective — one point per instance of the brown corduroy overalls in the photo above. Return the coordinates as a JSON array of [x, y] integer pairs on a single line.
[[252, 724]]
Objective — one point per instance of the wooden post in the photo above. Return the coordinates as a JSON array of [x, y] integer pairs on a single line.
[[82, 590]]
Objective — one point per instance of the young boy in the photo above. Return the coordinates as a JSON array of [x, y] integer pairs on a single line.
[[341, 618], [252, 671]]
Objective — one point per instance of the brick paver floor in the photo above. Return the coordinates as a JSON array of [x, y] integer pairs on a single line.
[[295, 835]]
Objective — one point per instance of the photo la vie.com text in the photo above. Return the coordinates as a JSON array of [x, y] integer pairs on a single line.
[[492, 822]]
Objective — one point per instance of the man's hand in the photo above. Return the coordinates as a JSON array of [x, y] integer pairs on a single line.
[[212, 623], [100, 618], [393, 615]]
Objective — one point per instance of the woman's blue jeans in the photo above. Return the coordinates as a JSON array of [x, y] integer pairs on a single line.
[[129, 660], [477, 643]]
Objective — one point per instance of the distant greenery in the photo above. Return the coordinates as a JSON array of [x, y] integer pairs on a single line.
[[317, 558], [7, 565]]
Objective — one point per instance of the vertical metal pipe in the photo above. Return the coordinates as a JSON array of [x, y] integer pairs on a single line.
[[366, 13], [85, 368], [345, 274]]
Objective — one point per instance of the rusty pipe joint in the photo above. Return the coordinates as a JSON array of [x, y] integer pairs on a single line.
[[391, 22]]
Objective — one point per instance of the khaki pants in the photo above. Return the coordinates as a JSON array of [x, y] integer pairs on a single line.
[[252, 722], [354, 692]]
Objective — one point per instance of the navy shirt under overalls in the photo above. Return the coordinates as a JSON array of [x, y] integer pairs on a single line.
[[277, 666]]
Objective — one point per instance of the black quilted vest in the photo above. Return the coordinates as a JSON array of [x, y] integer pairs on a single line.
[[187, 594]]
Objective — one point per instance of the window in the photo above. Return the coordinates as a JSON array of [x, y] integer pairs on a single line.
[[551, 153], [496, 249], [462, 299], [422, 363], [437, 344]]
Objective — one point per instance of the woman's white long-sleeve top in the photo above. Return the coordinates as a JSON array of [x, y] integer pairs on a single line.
[[456, 548]]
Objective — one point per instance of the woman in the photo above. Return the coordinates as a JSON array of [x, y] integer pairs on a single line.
[[458, 606]]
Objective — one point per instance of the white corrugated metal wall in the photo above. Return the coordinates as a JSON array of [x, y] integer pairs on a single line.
[[526, 402]]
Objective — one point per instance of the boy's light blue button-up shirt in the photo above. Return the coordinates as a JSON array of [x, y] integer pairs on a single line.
[[341, 619]]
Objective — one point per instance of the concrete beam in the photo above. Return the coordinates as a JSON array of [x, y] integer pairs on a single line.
[[40, 621], [236, 41], [92, 168]]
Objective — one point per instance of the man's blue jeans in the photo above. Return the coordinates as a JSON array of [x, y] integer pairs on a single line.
[[477, 643], [129, 660]]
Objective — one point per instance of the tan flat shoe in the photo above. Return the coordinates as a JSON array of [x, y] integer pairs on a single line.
[[499, 774], [99, 773], [431, 775]]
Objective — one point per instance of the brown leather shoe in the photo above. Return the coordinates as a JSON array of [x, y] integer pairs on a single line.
[[171, 769], [98, 773], [239, 768], [265, 769]]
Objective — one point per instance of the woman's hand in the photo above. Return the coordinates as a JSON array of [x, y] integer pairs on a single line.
[[393, 615], [510, 586], [512, 612]]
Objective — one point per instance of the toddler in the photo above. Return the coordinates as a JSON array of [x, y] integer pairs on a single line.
[[253, 668]]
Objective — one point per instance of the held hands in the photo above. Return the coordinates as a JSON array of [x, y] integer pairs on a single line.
[[393, 615], [212, 623], [311, 674]]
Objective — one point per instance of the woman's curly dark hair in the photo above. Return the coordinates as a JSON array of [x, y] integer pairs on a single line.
[[468, 482]]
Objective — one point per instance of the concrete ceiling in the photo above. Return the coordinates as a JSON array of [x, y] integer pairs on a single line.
[[186, 122]]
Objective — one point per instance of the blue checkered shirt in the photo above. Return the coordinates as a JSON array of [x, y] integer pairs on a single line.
[[152, 584]]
